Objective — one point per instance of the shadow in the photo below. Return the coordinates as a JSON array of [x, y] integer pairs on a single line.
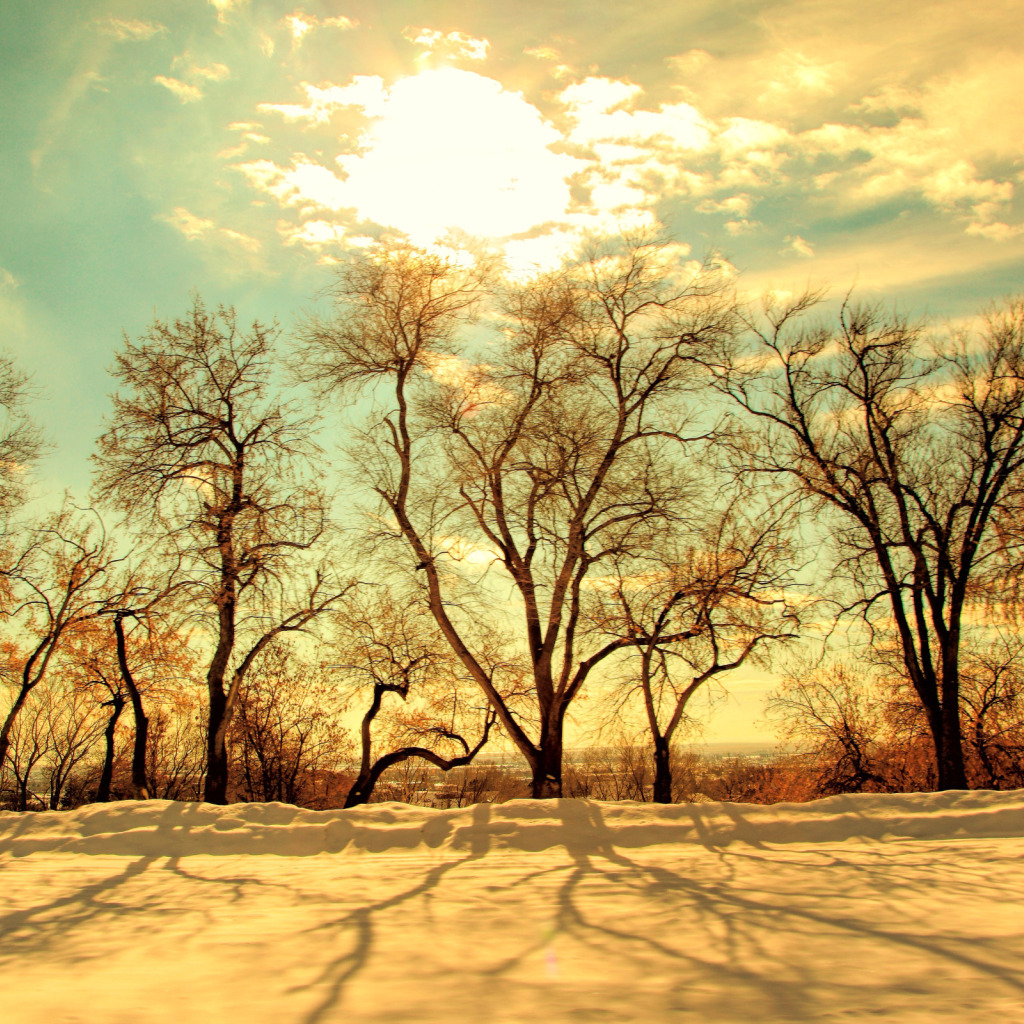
[[336, 975], [738, 903]]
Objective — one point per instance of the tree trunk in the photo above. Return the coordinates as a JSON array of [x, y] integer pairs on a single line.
[[216, 788], [107, 775], [952, 771], [662, 772], [546, 765], [140, 784]]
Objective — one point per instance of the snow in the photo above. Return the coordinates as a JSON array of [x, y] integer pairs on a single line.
[[895, 908]]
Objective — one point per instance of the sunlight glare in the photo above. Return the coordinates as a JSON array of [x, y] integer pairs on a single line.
[[452, 148]]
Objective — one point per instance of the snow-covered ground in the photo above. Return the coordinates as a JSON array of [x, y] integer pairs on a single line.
[[905, 909]]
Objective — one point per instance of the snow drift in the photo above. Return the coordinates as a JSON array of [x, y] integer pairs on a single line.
[[902, 908]]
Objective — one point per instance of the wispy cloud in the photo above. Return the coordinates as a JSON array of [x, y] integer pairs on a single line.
[[132, 30], [185, 92], [800, 246], [194, 227], [212, 73]]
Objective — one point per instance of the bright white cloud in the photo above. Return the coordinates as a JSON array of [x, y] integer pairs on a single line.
[[305, 184], [185, 92], [448, 44], [314, 234], [132, 30], [445, 149], [364, 91], [597, 106], [299, 24]]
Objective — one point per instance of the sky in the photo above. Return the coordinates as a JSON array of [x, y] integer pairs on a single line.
[[858, 908], [240, 148]]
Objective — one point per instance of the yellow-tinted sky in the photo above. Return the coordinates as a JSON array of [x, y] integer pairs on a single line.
[[240, 147]]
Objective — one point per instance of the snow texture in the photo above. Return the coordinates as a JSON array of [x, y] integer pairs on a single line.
[[884, 908]]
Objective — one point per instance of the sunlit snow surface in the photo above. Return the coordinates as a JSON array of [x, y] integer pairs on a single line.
[[904, 909]]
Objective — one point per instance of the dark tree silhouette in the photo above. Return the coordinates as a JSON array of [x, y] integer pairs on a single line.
[[905, 447], [546, 461], [202, 455]]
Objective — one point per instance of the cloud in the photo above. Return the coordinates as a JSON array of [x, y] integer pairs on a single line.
[[225, 7], [471, 384], [305, 184], [365, 92], [188, 223], [245, 241], [299, 23], [801, 133], [185, 92], [131, 30], [213, 73], [997, 231], [194, 227], [443, 149], [314, 234], [451, 44], [909, 158], [188, 91], [460, 549], [799, 245], [598, 108], [738, 205]]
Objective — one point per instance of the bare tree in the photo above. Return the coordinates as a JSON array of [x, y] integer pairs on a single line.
[[175, 753], [905, 456], [126, 664], [74, 728], [835, 714], [202, 455], [726, 590], [287, 736], [992, 698], [394, 648], [28, 744], [21, 442], [64, 579], [524, 473]]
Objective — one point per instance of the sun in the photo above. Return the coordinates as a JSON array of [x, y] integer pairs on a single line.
[[454, 149]]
